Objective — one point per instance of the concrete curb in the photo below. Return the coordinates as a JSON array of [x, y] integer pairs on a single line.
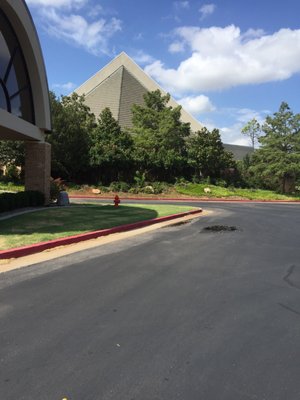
[[212, 200], [38, 247]]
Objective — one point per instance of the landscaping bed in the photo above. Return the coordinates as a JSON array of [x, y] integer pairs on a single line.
[[168, 191]]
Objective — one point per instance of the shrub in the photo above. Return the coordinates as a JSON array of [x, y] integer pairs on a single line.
[[29, 198], [160, 187], [148, 189], [134, 190], [56, 186], [103, 189], [12, 174], [221, 183], [119, 187], [139, 179], [181, 181]]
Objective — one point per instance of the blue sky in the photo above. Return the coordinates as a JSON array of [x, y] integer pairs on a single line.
[[225, 61]]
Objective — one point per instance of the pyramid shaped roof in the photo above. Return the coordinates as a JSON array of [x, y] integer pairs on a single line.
[[122, 83], [119, 85]]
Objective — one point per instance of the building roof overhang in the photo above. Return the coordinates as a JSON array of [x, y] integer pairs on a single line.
[[22, 23]]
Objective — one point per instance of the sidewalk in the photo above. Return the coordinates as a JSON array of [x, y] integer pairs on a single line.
[[20, 211]]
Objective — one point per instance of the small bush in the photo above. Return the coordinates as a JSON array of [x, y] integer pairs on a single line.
[[29, 198], [134, 190], [139, 179], [181, 181], [160, 187], [103, 189], [148, 189], [119, 187], [56, 186], [221, 183], [72, 186], [12, 174]]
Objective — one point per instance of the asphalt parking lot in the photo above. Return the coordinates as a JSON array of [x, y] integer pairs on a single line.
[[179, 313]]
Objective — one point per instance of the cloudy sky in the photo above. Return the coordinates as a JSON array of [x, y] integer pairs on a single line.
[[225, 61]]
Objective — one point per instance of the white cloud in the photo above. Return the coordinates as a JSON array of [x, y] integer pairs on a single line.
[[179, 5], [239, 117], [253, 33], [74, 21], [57, 3], [196, 105], [64, 87], [95, 11], [176, 47], [244, 115], [76, 29], [178, 8], [141, 57], [232, 135], [222, 58], [207, 9]]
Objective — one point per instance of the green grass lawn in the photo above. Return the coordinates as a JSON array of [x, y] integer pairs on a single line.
[[197, 190], [55, 223], [10, 187]]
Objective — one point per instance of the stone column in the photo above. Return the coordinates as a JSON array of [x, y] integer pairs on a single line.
[[38, 167]]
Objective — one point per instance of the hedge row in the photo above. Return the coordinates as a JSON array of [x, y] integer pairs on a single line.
[[29, 198]]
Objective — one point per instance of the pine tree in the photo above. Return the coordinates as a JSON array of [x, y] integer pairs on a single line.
[[277, 161], [110, 152], [206, 154], [159, 137]]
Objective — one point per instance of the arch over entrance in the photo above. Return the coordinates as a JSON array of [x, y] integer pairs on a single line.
[[24, 98], [15, 88]]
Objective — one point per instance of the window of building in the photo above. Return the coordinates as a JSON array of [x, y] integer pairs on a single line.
[[15, 88]]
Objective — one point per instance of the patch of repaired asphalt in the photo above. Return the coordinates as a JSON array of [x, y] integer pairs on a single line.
[[220, 228]]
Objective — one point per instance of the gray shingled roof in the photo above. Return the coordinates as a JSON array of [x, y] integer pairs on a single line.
[[122, 83], [239, 152]]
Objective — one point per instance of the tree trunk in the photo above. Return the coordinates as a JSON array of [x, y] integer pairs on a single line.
[[288, 184]]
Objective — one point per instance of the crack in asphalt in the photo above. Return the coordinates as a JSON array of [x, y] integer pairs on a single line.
[[287, 277], [289, 308]]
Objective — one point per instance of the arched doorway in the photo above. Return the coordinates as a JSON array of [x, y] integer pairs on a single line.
[[24, 101]]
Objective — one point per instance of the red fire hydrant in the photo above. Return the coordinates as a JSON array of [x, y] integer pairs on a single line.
[[117, 200]]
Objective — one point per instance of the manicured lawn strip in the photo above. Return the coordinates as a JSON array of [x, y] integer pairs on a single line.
[[55, 223], [219, 192]]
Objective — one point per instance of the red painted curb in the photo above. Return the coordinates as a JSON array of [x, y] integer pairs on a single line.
[[186, 199], [38, 247]]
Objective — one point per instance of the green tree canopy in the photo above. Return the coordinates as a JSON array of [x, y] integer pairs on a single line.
[[110, 152], [72, 123], [277, 161], [159, 137], [206, 154], [12, 153], [253, 130]]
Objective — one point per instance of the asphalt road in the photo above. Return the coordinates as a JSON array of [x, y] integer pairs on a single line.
[[178, 313]]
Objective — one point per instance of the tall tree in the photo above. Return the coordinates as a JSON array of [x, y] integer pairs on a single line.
[[12, 153], [253, 130], [206, 154], [72, 123], [110, 152], [277, 161], [159, 137]]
